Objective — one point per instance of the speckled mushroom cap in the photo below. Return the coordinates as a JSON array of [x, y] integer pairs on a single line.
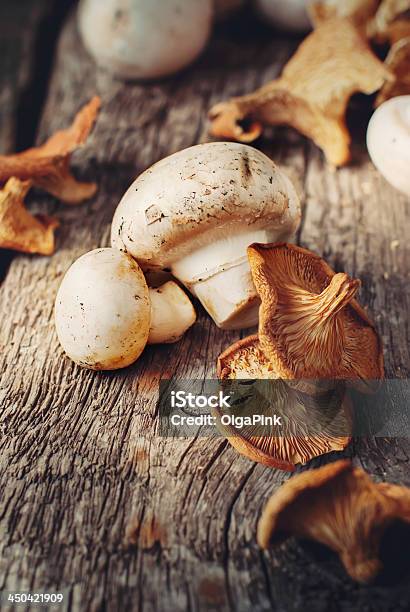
[[195, 213], [197, 196]]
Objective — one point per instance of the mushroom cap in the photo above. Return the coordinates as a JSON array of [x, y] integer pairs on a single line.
[[290, 15], [102, 310], [311, 426], [140, 39], [388, 141], [309, 324], [340, 506], [206, 193]]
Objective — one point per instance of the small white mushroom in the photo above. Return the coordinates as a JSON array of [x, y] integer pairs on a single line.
[[105, 314], [388, 142], [196, 212], [172, 314], [145, 39], [291, 15]]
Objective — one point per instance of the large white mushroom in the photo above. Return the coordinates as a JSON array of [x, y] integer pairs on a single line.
[[196, 212], [388, 141], [145, 39], [105, 313], [291, 15]]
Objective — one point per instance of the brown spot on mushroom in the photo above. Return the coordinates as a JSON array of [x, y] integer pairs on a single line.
[[310, 324], [339, 506], [246, 171], [312, 93], [153, 214]]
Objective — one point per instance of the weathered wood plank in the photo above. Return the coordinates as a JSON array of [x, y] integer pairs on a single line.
[[19, 29], [92, 499]]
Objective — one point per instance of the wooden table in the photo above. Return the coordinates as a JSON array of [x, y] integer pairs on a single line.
[[92, 500]]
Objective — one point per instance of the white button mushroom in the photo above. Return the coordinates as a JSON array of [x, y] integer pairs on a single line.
[[388, 141], [196, 212], [105, 314], [290, 15], [141, 39]]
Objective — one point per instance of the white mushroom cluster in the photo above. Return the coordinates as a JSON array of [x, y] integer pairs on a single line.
[[151, 39], [196, 212], [193, 215], [105, 314]]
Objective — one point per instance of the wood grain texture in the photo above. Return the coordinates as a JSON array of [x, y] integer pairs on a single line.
[[92, 500]]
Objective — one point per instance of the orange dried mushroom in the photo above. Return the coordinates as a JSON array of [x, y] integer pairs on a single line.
[[398, 61], [47, 166], [311, 426], [312, 94], [19, 230], [391, 21], [358, 11], [310, 325], [339, 506]]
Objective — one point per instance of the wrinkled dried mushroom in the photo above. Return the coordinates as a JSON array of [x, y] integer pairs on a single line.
[[341, 507], [245, 359], [358, 11], [398, 61], [312, 94], [310, 325], [311, 426], [19, 230], [47, 166], [391, 21]]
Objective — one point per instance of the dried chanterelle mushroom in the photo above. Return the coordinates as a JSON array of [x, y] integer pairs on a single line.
[[19, 230], [341, 507], [310, 325], [311, 426], [141, 39], [391, 21], [105, 313], [358, 11], [398, 61], [47, 166], [312, 93], [195, 213]]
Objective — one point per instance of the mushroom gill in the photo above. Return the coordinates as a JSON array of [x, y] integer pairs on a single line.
[[312, 424], [310, 324], [339, 506]]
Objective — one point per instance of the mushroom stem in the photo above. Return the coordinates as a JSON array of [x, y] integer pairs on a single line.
[[219, 275], [171, 314], [339, 293]]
